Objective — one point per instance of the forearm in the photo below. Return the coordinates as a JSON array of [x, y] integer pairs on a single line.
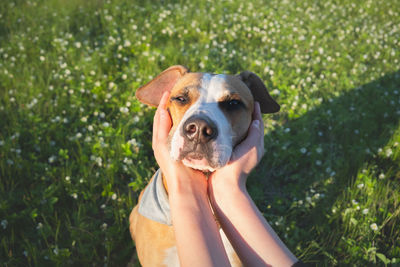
[[250, 234], [196, 232]]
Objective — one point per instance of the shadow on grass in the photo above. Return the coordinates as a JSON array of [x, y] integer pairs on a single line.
[[321, 152]]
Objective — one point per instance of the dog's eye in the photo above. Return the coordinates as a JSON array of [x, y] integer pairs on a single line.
[[232, 104], [180, 99]]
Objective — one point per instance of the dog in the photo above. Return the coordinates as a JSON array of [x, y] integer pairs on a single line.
[[211, 114]]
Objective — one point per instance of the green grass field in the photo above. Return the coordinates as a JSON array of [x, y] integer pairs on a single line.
[[75, 144]]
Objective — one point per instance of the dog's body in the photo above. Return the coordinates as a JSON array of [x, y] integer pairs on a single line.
[[211, 113]]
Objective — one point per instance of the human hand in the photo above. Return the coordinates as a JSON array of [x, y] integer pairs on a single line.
[[246, 155], [174, 171]]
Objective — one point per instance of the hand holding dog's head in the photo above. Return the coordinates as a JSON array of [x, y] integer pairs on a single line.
[[210, 113]]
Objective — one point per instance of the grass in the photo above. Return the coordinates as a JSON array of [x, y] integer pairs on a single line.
[[75, 145]]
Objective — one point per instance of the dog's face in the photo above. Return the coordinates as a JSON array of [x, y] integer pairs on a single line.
[[211, 113]]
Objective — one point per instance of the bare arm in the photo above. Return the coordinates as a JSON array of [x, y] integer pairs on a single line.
[[197, 235], [252, 237]]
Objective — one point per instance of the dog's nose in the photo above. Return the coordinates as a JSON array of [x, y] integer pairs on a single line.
[[200, 129]]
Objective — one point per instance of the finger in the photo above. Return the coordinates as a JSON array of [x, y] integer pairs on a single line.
[[155, 126], [159, 116], [252, 140], [164, 125], [164, 100], [257, 113]]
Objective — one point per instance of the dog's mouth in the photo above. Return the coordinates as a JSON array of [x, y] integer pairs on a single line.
[[205, 158], [198, 159]]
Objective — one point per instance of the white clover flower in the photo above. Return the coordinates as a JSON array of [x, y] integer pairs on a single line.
[[127, 43], [359, 186], [67, 179], [388, 152], [318, 163], [92, 72], [78, 135], [39, 226], [90, 128], [97, 84], [124, 76], [103, 206], [319, 150], [374, 227], [51, 159], [74, 195], [84, 119], [124, 110], [111, 85], [365, 211], [114, 196], [1, 142], [276, 92], [78, 45], [42, 58], [128, 161], [382, 176], [4, 224], [104, 226], [303, 150]]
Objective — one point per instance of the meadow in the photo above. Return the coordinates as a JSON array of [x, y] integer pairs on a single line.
[[75, 144]]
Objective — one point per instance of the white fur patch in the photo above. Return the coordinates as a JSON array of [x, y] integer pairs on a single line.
[[212, 89], [228, 248], [171, 257]]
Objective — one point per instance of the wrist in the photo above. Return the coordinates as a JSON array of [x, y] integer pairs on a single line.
[[183, 183], [227, 183], [225, 191]]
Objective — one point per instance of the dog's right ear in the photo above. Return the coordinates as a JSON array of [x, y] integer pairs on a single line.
[[152, 92]]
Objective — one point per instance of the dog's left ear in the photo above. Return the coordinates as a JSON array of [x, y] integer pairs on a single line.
[[259, 91], [152, 92]]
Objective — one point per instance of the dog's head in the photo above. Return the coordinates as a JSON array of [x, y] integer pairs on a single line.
[[211, 113]]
